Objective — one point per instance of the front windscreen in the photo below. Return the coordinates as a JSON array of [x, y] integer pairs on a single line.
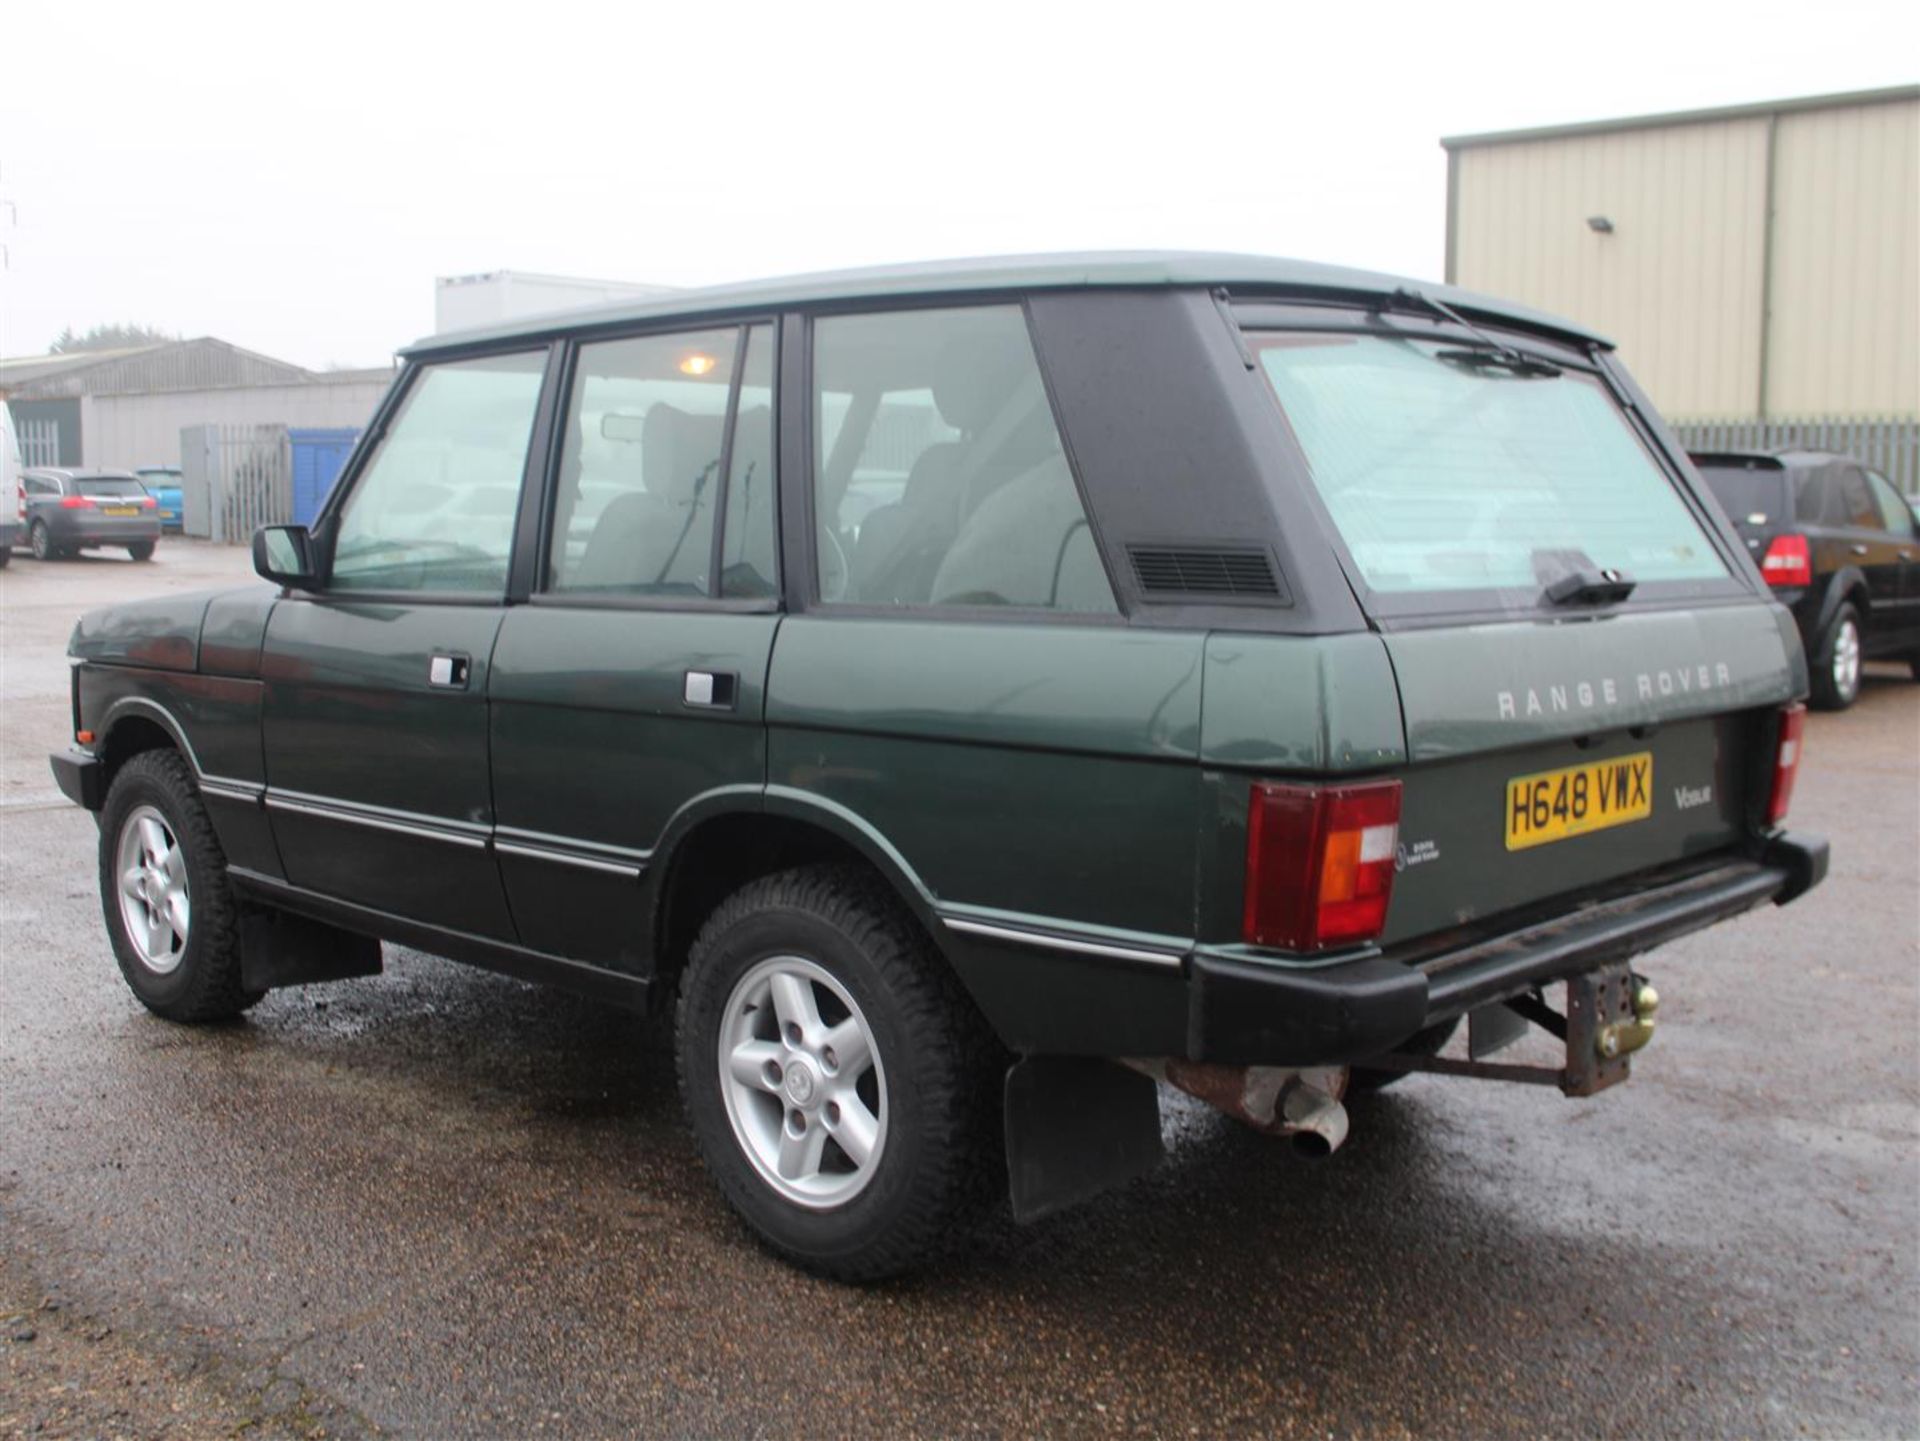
[[1444, 472]]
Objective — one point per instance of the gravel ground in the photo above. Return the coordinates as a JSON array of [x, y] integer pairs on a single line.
[[441, 1203]]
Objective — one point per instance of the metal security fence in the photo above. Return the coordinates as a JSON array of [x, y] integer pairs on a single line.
[[234, 479], [1891, 447], [39, 442]]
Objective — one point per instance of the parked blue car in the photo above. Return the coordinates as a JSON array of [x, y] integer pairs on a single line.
[[163, 484]]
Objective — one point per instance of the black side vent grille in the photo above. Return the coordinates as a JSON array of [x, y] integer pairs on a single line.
[[1206, 572]]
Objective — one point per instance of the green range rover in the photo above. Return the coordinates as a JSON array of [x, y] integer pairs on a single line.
[[973, 696]]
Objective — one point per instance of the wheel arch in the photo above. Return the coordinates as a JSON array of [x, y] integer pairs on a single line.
[[722, 841], [135, 724], [1848, 587]]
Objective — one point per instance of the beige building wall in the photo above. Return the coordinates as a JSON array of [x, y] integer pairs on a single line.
[[1687, 280], [128, 431], [1845, 338]]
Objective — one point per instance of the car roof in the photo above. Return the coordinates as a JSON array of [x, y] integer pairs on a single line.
[[74, 472], [1782, 457], [1240, 274]]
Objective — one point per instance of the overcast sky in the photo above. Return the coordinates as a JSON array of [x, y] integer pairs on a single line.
[[292, 177]]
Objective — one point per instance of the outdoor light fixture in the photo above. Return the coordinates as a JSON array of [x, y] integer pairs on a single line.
[[1599, 225], [697, 365]]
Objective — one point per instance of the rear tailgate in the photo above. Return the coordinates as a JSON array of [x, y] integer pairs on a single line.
[[1547, 757]]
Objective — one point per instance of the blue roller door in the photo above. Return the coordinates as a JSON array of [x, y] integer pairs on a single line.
[[317, 458]]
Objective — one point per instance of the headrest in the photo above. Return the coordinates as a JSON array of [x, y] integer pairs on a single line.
[[678, 451]]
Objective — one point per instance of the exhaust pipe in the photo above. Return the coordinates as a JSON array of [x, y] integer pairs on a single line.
[[1302, 1105]]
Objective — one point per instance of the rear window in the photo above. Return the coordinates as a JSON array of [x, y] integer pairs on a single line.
[[1750, 495], [1441, 474], [108, 485]]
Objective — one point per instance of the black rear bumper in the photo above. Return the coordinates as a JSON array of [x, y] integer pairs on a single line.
[[1243, 1011]]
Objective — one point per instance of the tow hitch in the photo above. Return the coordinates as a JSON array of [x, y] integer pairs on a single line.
[[1610, 1015]]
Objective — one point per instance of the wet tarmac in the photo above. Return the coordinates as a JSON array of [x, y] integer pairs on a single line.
[[442, 1203]]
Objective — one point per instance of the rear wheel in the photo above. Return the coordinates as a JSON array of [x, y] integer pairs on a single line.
[[1836, 662], [169, 908], [843, 1089], [141, 550], [6, 555], [40, 541]]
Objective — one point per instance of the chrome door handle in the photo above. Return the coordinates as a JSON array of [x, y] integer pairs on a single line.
[[708, 689], [448, 670], [1858, 549]]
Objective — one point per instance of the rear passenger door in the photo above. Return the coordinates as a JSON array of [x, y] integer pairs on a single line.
[[1898, 518], [1868, 545], [630, 689]]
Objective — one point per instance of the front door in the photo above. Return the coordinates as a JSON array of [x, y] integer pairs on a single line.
[[629, 690], [375, 710]]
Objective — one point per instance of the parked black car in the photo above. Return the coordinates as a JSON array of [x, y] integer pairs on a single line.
[[70, 510], [1841, 550]]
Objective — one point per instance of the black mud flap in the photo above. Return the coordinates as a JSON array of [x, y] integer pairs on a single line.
[[278, 948], [1076, 1127]]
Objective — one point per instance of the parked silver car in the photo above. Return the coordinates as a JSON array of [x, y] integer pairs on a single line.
[[74, 510]]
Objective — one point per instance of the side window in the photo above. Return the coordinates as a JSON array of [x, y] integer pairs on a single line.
[[1856, 500], [434, 508], [641, 477], [36, 486], [747, 564], [1895, 514], [939, 476]]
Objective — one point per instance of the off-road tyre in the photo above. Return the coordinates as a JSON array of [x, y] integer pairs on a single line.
[[1831, 691], [941, 1168], [205, 983], [1429, 1042], [141, 550]]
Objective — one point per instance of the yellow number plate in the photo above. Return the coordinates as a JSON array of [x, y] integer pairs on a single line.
[[119, 510], [1553, 805]]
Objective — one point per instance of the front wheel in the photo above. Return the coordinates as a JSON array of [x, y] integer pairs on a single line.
[[169, 907], [1836, 662], [141, 550], [842, 1087]]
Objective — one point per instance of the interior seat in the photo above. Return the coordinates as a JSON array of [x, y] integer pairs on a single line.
[[656, 538]]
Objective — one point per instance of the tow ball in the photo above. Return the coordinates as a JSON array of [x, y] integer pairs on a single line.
[[1610, 1015]]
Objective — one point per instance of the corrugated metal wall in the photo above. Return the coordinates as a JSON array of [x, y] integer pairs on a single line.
[[134, 430], [1891, 447], [1690, 269], [1846, 263]]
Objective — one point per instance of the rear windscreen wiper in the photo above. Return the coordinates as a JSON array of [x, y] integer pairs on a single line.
[[1586, 586], [1498, 355]]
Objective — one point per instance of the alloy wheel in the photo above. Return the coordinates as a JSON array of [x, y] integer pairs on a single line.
[[155, 906], [803, 1082], [1846, 660]]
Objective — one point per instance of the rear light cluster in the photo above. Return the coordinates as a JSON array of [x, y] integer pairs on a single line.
[[1320, 863], [1786, 762], [76, 502], [1788, 561]]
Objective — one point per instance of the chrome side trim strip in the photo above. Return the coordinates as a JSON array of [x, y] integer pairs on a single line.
[[563, 858], [465, 839], [571, 845], [231, 790], [1063, 943]]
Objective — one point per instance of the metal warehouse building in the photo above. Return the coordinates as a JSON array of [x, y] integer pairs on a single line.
[[126, 408], [1758, 266]]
